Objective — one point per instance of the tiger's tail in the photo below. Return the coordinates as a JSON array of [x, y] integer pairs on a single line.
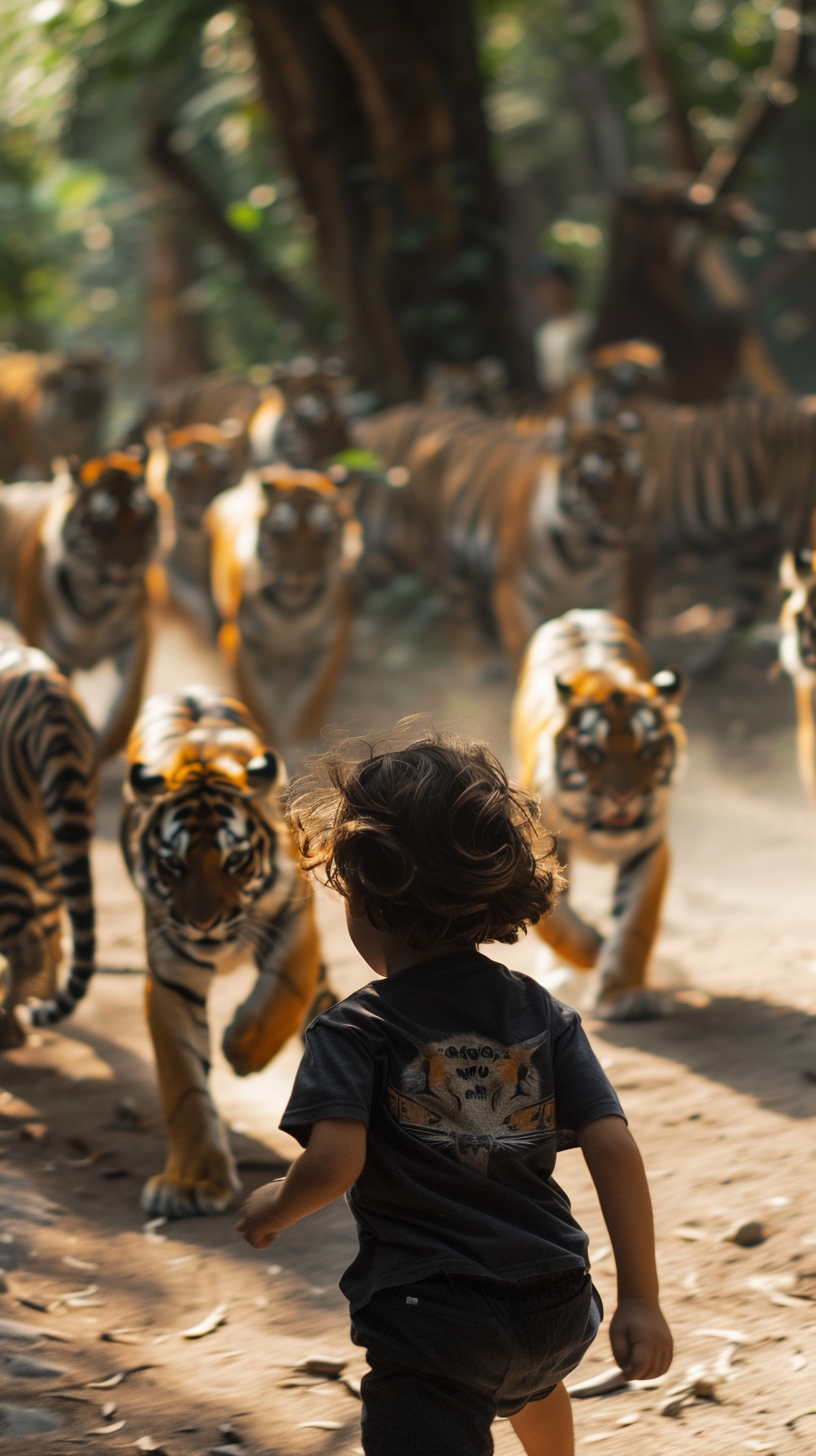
[[806, 737], [68, 783]]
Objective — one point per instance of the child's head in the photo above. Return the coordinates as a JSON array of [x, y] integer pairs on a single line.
[[431, 841]]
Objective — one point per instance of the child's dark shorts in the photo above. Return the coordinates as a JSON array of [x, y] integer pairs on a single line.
[[450, 1353]]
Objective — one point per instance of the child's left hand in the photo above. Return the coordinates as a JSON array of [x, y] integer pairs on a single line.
[[256, 1222]]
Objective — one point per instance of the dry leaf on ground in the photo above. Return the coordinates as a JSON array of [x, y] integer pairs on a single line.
[[110, 1382], [216, 1317], [329, 1366]]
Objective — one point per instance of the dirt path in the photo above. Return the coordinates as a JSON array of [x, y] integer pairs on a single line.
[[721, 1096]]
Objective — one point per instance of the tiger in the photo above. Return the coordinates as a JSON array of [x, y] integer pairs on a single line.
[[599, 741], [797, 655], [202, 399], [48, 789], [739, 477], [283, 545], [506, 527], [207, 847], [73, 558], [50, 406], [297, 418], [481, 385], [186, 470]]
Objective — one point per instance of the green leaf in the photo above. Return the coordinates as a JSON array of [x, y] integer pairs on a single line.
[[244, 217], [358, 460]]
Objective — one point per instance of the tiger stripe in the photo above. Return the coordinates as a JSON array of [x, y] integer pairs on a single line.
[[48, 786], [207, 847], [511, 529], [738, 476], [599, 741], [73, 560]]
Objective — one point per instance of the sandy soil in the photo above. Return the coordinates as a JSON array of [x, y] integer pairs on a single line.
[[721, 1095]]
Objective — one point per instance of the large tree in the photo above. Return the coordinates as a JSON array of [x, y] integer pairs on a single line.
[[666, 237], [378, 105]]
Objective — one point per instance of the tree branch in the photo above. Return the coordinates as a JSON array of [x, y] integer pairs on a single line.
[[269, 285], [757, 115], [660, 83]]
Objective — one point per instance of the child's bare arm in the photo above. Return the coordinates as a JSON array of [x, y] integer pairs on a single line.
[[640, 1338], [332, 1161]]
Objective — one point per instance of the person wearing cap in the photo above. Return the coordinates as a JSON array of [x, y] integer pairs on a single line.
[[560, 341]]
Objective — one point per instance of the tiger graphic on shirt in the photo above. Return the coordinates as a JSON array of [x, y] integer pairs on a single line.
[[473, 1097]]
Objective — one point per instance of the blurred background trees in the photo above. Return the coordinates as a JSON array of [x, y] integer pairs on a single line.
[[191, 186]]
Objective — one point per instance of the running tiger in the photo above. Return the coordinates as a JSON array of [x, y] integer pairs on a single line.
[[297, 418], [48, 786], [186, 470], [509, 531], [797, 654], [599, 741], [73, 559], [736, 477], [283, 544], [208, 849]]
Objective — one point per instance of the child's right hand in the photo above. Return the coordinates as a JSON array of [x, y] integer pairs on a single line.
[[256, 1221], [641, 1340]]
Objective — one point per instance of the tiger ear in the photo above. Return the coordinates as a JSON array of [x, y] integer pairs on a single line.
[[564, 690], [145, 785], [263, 770], [670, 683]]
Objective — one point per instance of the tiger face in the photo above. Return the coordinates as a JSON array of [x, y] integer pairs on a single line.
[[599, 483], [617, 751], [300, 536], [207, 850], [200, 464], [112, 523], [310, 428], [622, 371]]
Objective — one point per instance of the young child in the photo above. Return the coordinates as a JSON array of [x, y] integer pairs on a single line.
[[437, 1099]]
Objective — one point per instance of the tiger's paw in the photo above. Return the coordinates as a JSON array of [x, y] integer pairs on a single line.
[[165, 1196], [248, 1047], [639, 1004]]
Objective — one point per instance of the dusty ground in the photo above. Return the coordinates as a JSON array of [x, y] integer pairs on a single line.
[[721, 1096]]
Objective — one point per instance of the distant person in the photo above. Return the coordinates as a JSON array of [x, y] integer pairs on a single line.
[[438, 1097], [560, 341]]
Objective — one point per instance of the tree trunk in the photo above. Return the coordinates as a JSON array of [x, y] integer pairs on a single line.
[[176, 344], [379, 110], [648, 293]]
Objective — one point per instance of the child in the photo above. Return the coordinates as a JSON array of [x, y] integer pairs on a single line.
[[437, 1099]]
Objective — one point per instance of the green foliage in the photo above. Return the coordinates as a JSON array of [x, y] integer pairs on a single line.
[[82, 81], [567, 106]]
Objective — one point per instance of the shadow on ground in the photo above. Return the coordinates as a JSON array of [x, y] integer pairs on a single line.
[[759, 1048]]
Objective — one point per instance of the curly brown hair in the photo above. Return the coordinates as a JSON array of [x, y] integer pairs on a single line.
[[434, 837]]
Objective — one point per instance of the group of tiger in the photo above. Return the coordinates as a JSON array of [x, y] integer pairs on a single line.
[[265, 514]]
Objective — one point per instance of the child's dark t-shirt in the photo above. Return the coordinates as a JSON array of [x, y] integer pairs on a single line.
[[468, 1077]]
